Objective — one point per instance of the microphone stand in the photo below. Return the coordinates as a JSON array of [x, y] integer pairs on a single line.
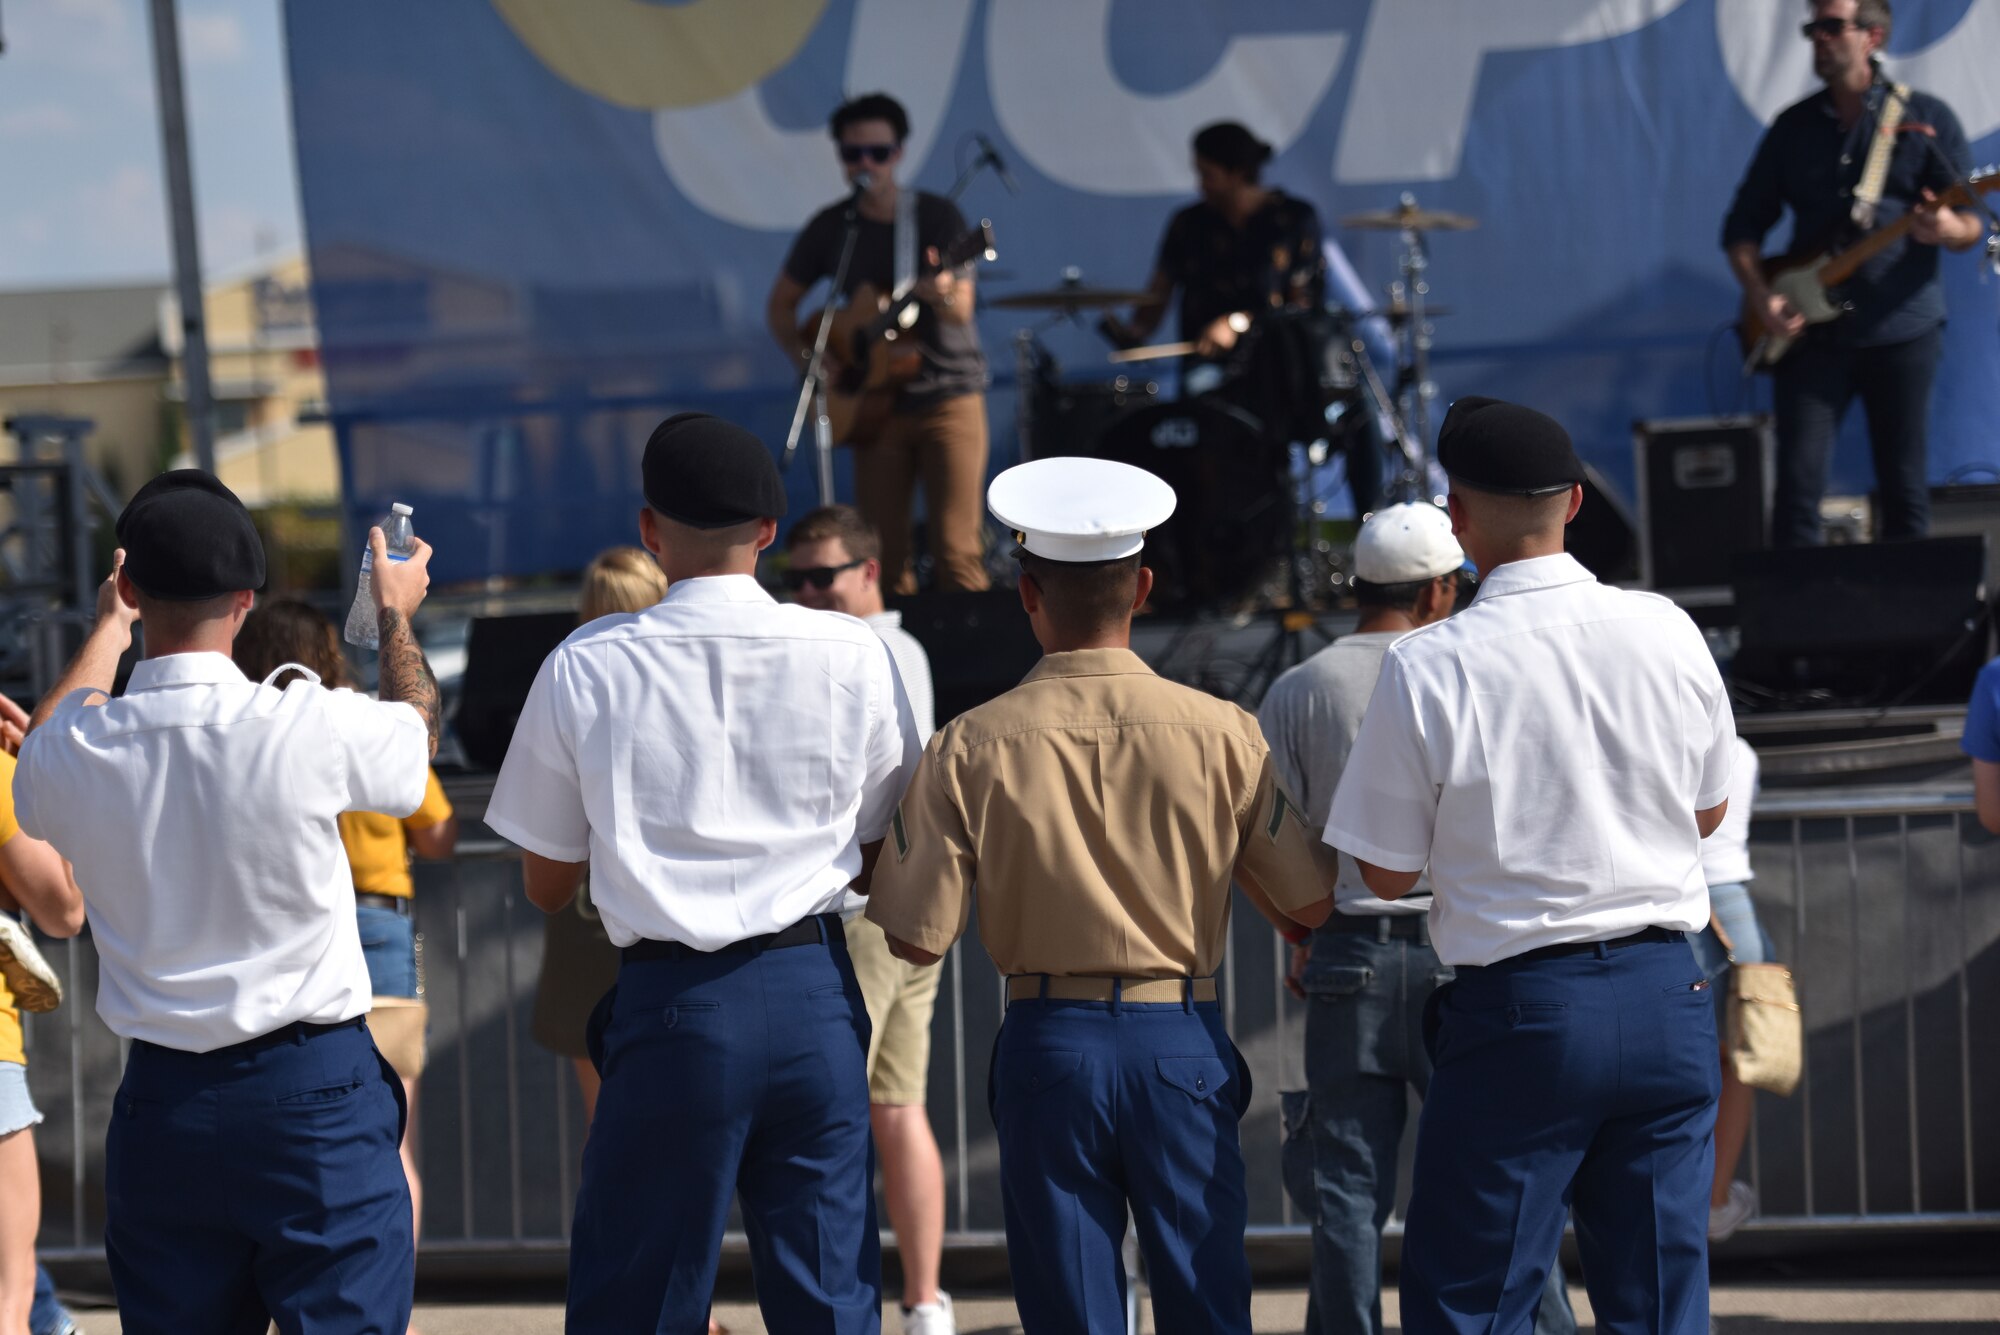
[[812, 391]]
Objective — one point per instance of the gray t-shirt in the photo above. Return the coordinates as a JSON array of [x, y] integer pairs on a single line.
[[1310, 717]]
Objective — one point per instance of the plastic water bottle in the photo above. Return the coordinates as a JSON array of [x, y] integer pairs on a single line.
[[361, 624]]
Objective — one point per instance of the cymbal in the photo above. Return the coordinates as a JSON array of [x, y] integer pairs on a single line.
[[1069, 297], [1408, 216]]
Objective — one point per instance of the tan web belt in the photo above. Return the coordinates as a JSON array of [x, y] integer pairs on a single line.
[[1029, 987]]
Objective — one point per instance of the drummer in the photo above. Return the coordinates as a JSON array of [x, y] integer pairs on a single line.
[[1244, 248]]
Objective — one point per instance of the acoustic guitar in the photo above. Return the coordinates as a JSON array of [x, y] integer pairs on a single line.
[[871, 336], [1810, 278]]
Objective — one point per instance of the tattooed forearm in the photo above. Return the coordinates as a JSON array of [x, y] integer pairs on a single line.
[[405, 675]]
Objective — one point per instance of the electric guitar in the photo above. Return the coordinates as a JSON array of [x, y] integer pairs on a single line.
[[1809, 277], [872, 339]]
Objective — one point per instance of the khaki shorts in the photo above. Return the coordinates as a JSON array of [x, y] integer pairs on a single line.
[[900, 998], [397, 1025]]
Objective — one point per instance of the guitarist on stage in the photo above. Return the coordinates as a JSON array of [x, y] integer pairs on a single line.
[[936, 432], [1814, 160]]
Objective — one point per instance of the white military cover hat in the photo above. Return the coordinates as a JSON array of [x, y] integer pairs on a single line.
[[1079, 510], [1402, 544]]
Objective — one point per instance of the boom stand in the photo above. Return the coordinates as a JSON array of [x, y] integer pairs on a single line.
[[812, 391]]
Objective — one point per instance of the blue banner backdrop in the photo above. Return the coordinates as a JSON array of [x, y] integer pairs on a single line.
[[536, 227]]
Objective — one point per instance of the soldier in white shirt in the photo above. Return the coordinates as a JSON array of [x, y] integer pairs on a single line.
[[1554, 753], [836, 566], [251, 1171], [727, 766]]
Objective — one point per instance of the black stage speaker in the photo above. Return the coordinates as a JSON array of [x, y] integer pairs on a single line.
[[1962, 508], [1601, 536], [1863, 626], [502, 656], [1704, 497], [980, 644]]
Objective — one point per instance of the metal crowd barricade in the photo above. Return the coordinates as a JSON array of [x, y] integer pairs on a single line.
[[1885, 902]]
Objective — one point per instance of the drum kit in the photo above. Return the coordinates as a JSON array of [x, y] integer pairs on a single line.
[[1293, 378]]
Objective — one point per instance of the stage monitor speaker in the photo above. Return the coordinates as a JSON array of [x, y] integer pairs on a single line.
[[1704, 497], [1601, 536], [502, 656], [1863, 626], [1959, 509], [980, 645]]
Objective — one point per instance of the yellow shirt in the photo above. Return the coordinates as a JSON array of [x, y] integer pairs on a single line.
[[11, 1049], [1102, 812], [378, 849]]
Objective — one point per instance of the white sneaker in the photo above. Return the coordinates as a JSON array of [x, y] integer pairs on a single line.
[[931, 1318], [1726, 1218], [28, 976]]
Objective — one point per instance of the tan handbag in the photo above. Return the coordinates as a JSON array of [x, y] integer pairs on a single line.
[[1766, 1037]]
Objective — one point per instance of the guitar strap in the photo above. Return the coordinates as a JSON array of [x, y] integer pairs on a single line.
[[906, 242], [1875, 175]]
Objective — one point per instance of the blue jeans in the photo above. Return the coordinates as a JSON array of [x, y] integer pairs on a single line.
[[1364, 1055], [1811, 390], [48, 1316], [389, 944], [1752, 944], [1580, 1081]]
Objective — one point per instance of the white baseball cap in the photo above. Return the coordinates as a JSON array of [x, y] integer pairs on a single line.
[[1079, 509], [1402, 544]]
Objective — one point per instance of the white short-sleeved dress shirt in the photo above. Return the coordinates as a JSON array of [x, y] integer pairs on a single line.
[[1544, 752], [719, 759], [913, 665], [200, 811], [913, 668], [1725, 855]]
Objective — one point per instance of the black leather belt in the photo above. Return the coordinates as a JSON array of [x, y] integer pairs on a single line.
[[1643, 937], [1381, 926], [802, 933], [368, 899], [297, 1032]]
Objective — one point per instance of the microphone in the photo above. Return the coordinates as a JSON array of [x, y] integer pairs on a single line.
[[991, 155], [862, 180]]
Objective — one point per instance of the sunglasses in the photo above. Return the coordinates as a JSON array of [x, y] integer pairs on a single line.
[[875, 153], [820, 577], [1826, 28]]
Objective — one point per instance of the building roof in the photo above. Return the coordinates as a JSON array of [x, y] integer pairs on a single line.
[[79, 334]]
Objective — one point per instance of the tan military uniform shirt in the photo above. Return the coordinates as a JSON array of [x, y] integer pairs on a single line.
[[1102, 812]]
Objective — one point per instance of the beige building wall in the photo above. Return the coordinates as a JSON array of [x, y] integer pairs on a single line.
[[126, 447], [264, 367]]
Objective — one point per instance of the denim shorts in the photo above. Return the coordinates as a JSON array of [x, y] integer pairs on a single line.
[[389, 943], [17, 1110], [1738, 916]]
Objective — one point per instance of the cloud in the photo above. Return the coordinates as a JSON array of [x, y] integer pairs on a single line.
[[41, 121], [101, 37], [213, 37], [123, 216]]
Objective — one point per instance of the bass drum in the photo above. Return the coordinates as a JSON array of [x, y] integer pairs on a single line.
[[1067, 419], [1233, 519]]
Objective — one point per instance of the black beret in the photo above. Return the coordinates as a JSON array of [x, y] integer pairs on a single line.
[[708, 473], [187, 538], [1493, 445]]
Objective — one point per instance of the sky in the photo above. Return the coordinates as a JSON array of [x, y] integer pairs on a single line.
[[84, 200]]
